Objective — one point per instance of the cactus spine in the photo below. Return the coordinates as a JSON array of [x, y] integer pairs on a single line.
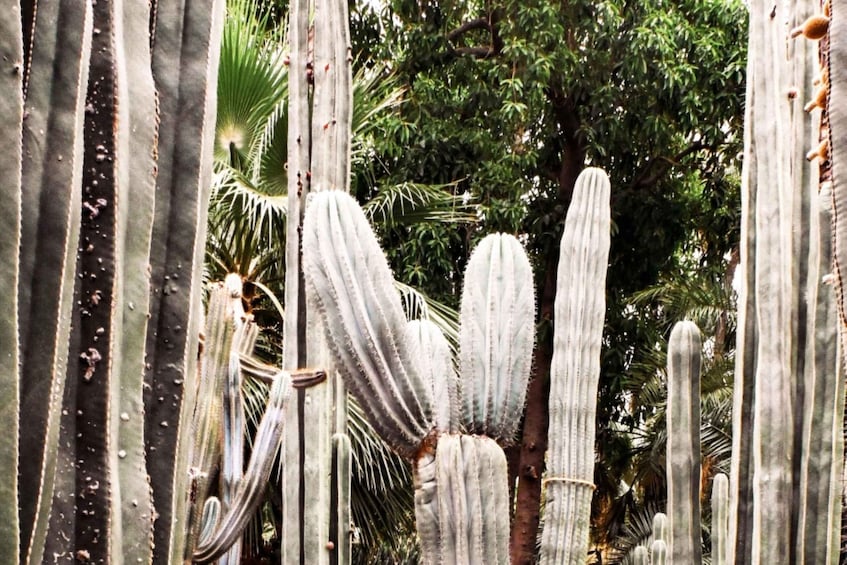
[[575, 370], [683, 448]]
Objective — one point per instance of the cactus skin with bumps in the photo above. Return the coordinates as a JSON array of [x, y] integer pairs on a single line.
[[683, 447], [575, 370], [96, 158]]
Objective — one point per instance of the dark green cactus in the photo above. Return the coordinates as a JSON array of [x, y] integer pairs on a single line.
[[683, 447], [95, 157]]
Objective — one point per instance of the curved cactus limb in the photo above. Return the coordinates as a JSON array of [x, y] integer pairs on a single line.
[[496, 337], [249, 492], [349, 282], [430, 348], [575, 370]]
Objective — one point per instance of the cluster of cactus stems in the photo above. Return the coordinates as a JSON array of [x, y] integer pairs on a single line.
[[461, 491], [109, 111], [787, 446]]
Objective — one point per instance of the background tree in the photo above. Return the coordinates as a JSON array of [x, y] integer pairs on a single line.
[[508, 101]]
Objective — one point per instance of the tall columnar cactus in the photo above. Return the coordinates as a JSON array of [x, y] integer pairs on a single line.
[[780, 491], [319, 130], [683, 446], [769, 444], [461, 491], [720, 518], [104, 135], [575, 370]]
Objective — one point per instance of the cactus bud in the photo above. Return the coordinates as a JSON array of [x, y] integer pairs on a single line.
[[822, 152], [815, 27], [819, 101]]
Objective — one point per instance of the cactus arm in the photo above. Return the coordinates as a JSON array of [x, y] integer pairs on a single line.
[[11, 114], [720, 519], [57, 75], [250, 489], [683, 447], [185, 53], [496, 337], [349, 282], [339, 531], [660, 552], [575, 370], [430, 347]]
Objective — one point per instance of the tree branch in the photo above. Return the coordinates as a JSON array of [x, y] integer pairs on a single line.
[[656, 168], [479, 23]]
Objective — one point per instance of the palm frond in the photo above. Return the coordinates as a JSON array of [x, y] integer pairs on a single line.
[[410, 203]]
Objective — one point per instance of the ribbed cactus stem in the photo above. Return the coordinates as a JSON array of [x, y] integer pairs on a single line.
[[496, 337], [661, 527], [432, 351], [683, 447], [461, 502], [348, 281], [640, 556], [575, 370], [659, 551], [11, 114], [720, 518]]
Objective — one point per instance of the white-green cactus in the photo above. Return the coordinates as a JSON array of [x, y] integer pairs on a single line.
[[720, 518], [683, 447], [575, 371], [496, 337]]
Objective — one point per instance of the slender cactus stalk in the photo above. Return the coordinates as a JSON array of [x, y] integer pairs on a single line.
[[720, 518], [575, 370], [683, 447]]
